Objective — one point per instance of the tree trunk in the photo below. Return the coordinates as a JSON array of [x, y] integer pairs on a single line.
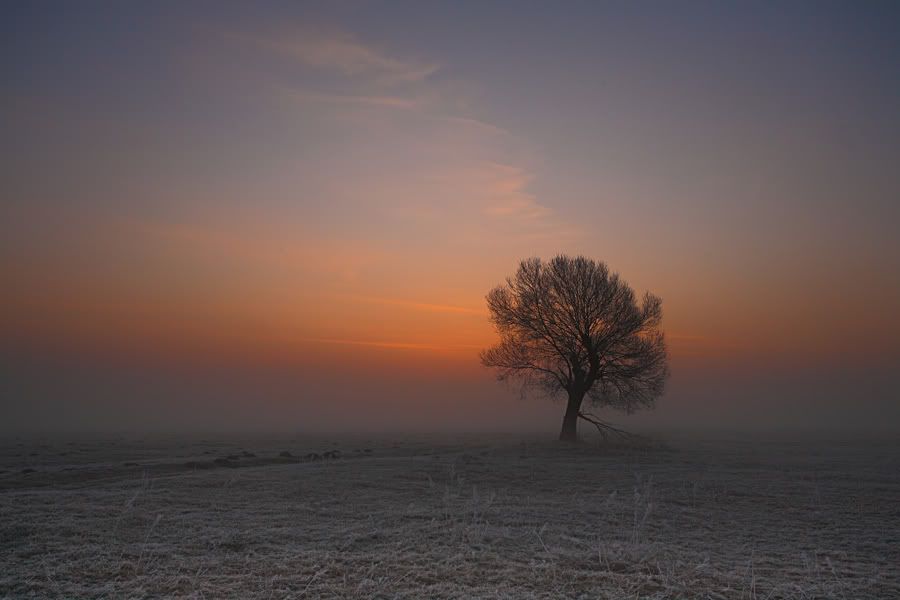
[[569, 431]]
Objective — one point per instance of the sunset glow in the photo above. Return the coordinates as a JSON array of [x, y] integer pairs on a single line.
[[328, 190]]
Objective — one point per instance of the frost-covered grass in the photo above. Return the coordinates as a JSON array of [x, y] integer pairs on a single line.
[[445, 517]]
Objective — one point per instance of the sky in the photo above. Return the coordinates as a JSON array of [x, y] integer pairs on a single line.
[[287, 215]]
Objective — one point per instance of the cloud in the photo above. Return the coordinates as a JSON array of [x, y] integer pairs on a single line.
[[437, 160], [486, 128], [423, 306], [349, 99], [499, 190], [506, 194], [342, 53], [392, 345], [335, 67]]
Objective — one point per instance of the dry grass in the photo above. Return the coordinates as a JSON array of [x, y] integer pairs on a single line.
[[473, 517]]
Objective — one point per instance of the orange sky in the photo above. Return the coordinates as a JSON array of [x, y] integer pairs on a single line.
[[232, 291], [339, 190]]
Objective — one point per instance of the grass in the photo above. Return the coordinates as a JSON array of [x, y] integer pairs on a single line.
[[466, 517]]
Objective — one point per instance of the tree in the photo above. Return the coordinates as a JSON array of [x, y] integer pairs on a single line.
[[570, 326]]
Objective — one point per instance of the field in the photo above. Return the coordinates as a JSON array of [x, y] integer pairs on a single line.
[[449, 517]]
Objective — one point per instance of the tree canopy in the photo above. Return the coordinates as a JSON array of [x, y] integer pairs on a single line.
[[569, 325]]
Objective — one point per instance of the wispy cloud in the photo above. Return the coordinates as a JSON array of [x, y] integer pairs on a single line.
[[349, 99], [490, 200], [468, 122], [423, 306], [505, 186], [476, 166], [342, 53], [392, 345]]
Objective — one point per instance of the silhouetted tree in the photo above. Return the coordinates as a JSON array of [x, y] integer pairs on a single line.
[[568, 325]]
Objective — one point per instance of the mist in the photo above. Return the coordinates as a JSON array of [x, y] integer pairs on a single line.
[[402, 392]]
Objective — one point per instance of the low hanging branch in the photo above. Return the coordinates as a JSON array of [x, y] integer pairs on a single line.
[[605, 429]]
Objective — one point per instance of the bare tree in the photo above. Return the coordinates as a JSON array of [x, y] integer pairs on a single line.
[[568, 325]]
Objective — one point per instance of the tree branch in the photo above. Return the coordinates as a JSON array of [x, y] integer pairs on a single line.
[[605, 429]]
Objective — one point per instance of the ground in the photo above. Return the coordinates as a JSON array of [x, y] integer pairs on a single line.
[[449, 517]]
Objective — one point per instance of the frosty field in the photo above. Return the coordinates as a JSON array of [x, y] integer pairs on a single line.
[[449, 517]]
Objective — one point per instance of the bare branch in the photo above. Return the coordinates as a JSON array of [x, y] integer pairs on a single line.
[[605, 429], [570, 325]]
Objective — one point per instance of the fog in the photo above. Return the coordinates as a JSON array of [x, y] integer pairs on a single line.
[[86, 392]]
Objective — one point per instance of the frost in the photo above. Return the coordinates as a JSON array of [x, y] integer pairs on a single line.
[[448, 517]]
